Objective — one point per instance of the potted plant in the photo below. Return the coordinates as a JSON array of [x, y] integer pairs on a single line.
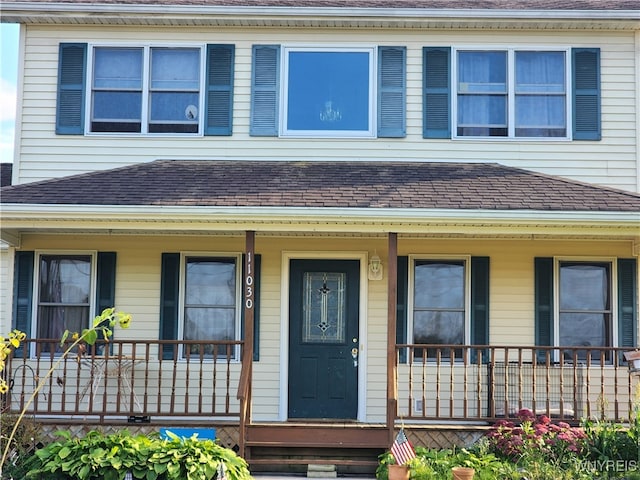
[[463, 473]]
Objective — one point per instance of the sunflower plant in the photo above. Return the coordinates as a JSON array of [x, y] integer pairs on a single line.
[[102, 327]]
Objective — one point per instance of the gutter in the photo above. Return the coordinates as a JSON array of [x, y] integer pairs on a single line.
[[154, 213]]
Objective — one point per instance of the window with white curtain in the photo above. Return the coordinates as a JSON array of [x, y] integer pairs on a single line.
[[440, 299], [64, 295], [211, 302], [511, 93], [585, 302]]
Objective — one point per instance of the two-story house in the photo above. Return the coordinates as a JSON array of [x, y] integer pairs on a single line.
[[326, 218]]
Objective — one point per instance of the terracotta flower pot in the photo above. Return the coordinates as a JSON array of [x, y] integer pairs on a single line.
[[462, 473], [398, 472]]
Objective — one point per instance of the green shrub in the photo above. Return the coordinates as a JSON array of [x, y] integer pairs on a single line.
[[110, 457]]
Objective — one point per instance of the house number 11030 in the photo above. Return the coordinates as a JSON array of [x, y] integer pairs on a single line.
[[248, 283]]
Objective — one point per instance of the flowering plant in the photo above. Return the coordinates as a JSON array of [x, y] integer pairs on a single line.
[[535, 435]]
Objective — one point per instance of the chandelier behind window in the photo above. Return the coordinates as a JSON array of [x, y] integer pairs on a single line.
[[330, 114]]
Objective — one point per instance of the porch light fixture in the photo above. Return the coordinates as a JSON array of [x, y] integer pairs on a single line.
[[633, 360], [375, 267]]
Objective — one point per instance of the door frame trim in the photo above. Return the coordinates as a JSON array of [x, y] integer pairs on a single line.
[[287, 256]]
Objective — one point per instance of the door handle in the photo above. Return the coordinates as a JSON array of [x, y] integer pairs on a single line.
[[354, 354]]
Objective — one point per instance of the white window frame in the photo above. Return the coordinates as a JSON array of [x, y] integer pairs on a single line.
[[237, 257], [373, 93], [511, 95], [146, 78], [466, 260], [613, 272], [36, 286]]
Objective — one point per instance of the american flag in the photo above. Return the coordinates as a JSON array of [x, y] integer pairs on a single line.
[[402, 450]]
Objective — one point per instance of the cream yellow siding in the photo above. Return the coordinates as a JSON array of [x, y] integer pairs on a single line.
[[6, 288], [613, 161]]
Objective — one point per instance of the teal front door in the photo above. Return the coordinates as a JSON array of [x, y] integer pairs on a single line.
[[323, 339]]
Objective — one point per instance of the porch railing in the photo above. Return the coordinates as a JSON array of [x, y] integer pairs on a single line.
[[135, 379], [486, 383], [140, 380]]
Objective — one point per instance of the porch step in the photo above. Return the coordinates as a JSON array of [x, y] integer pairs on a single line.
[[321, 471], [301, 448]]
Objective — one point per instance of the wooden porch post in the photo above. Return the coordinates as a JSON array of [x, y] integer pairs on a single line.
[[248, 293], [392, 301]]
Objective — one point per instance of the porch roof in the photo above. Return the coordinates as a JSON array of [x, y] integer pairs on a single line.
[[320, 198], [324, 184]]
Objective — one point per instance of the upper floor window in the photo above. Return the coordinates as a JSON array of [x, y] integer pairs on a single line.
[[507, 93], [145, 89], [328, 91], [511, 93]]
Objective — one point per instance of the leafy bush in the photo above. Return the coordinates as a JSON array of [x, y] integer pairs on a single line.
[[431, 464], [110, 457], [612, 442]]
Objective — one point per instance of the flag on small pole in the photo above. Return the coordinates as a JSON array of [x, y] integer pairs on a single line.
[[402, 450]]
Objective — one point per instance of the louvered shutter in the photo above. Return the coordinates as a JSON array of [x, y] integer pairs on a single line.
[[265, 86], [23, 293], [402, 310], [392, 92], [543, 304], [72, 64], [437, 92], [627, 302], [586, 93], [106, 281], [169, 288], [219, 90], [479, 304]]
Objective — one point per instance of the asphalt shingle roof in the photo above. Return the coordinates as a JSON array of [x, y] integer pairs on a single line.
[[389, 184]]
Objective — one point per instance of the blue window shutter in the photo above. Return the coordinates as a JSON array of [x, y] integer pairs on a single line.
[[586, 93], [402, 310], [437, 92], [392, 92], [23, 293], [627, 302], [480, 304], [72, 66], [265, 90], [256, 306], [106, 281], [543, 292], [169, 287], [219, 90]]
